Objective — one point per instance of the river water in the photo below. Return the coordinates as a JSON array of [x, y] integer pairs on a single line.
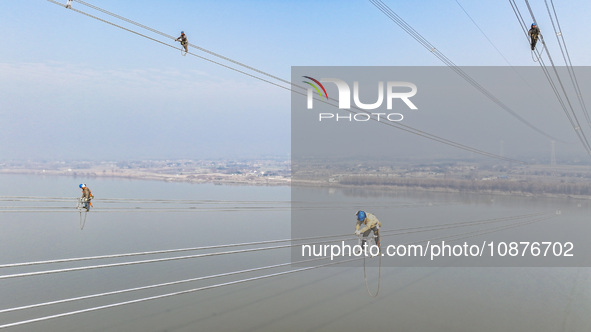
[[38, 221]]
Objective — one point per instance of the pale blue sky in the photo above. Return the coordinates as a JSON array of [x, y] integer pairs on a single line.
[[75, 88]]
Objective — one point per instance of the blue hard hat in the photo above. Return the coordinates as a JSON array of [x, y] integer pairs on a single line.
[[534, 24], [182, 32], [82, 185], [360, 215]]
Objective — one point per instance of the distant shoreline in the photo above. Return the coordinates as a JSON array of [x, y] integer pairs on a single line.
[[442, 190], [417, 184], [214, 178]]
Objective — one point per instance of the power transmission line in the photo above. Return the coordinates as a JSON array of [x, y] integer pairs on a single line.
[[567, 60], [571, 116], [395, 125], [418, 37], [454, 237], [340, 237]]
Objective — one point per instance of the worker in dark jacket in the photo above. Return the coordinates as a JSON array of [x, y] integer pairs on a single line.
[[534, 34], [184, 41]]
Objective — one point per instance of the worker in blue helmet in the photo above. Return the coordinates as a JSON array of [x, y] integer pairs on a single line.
[[370, 223], [86, 196], [534, 34], [184, 41]]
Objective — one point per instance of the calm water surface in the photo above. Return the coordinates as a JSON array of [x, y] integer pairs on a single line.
[[134, 216]]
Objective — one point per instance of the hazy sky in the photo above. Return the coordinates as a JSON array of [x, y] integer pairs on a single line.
[[75, 88]]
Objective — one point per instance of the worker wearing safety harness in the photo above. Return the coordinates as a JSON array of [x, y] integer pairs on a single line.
[[534, 34], [86, 196], [370, 223], [184, 41]]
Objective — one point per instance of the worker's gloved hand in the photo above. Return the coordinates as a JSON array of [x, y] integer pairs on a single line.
[[377, 227], [357, 232]]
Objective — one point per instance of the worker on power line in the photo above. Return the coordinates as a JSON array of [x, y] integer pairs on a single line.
[[69, 4], [184, 42], [534, 34], [370, 223], [86, 197]]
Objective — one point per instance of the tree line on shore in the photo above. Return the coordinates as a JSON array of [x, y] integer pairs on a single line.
[[510, 186]]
